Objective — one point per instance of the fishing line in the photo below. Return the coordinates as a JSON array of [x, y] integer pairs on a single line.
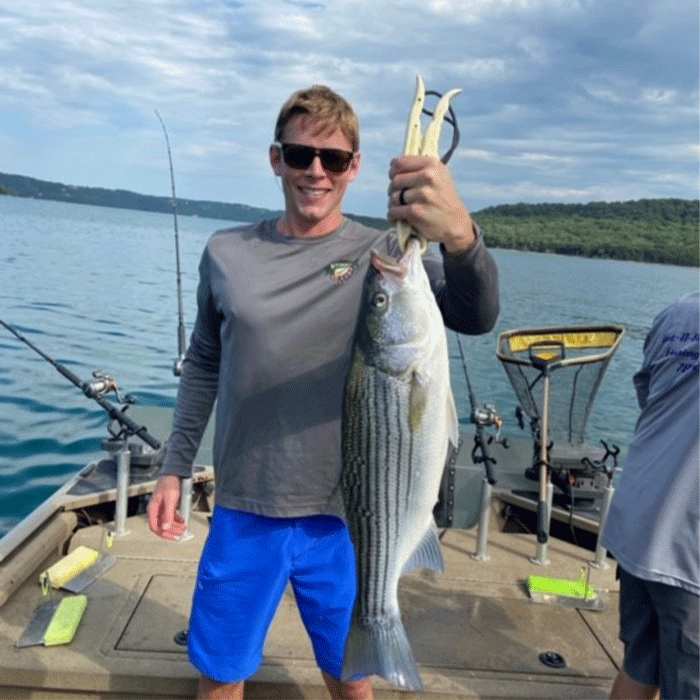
[[472, 397]]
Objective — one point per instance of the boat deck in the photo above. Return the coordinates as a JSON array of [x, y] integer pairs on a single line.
[[473, 629]]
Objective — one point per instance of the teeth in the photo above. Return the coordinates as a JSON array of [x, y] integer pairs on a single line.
[[312, 191]]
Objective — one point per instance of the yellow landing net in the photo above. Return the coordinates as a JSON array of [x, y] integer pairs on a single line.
[[575, 359]]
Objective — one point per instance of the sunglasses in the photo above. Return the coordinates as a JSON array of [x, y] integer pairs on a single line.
[[333, 160]]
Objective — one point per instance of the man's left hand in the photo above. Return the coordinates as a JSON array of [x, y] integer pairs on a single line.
[[431, 203]]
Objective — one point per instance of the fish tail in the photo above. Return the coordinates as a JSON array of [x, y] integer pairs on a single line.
[[381, 648]]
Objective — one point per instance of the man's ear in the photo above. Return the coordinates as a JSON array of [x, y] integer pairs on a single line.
[[276, 159], [354, 169]]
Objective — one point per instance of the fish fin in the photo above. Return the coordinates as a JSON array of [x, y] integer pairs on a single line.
[[381, 648], [417, 402], [428, 554]]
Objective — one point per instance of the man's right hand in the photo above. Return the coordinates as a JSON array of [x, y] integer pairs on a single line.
[[163, 518]]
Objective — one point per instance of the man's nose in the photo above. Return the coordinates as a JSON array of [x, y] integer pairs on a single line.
[[316, 169]]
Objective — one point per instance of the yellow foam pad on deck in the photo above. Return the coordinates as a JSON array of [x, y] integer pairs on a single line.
[[561, 587], [68, 567], [65, 621]]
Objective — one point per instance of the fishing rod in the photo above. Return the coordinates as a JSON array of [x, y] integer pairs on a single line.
[[96, 390], [181, 339], [481, 418]]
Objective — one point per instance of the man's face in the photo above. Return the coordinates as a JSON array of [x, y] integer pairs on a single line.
[[313, 196]]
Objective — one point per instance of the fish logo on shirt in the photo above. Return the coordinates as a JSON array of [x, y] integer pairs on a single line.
[[341, 271]]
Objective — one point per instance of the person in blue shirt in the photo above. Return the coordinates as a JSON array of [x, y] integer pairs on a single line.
[[652, 526]]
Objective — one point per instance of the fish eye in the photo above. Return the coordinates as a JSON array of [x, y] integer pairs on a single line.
[[379, 300]]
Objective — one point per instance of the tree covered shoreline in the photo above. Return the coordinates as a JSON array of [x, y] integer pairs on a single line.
[[645, 230]]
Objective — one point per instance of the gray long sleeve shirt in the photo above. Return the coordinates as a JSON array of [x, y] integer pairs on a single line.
[[272, 346]]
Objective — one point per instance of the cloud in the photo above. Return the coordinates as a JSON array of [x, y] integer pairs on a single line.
[[519, 159], [561, 98]]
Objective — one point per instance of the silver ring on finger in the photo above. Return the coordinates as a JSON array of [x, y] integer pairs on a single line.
[[402, 199]]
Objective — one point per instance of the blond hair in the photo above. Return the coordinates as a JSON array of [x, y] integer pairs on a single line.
[[324, 107]]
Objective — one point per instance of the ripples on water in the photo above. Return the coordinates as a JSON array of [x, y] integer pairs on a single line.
[[94, 288]]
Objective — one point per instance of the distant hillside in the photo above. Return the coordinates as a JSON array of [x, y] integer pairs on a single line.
[[20, 186], [671, 210], [646, 230]]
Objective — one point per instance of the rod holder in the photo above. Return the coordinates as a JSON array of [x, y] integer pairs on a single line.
[[542, 547], [601, 553], [123, 459], [484, 516]]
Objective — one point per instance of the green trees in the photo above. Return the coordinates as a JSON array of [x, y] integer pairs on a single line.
[[646, 230]]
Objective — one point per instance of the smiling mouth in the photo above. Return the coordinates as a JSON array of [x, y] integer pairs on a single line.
[[313, 192]]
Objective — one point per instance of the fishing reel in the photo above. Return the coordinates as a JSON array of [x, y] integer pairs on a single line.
[[486, 416], [102, 384], [178, 365]]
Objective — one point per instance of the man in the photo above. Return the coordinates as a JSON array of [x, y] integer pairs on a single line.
[[652, 527], [277, 305]]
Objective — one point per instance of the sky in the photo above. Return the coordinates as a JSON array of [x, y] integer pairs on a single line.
[[562, 100]]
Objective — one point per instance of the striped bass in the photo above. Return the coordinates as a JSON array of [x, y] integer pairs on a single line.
[[398, 418]]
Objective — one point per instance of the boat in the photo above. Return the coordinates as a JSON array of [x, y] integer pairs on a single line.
[[95, 606], [477, 631]]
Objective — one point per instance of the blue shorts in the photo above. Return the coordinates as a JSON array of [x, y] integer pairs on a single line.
[[659, 628], [246, 564]]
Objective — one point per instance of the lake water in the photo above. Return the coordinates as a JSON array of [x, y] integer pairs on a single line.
[[95, 289]]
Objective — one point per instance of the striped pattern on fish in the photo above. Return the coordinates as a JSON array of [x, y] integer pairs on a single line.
[[396, 430]]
